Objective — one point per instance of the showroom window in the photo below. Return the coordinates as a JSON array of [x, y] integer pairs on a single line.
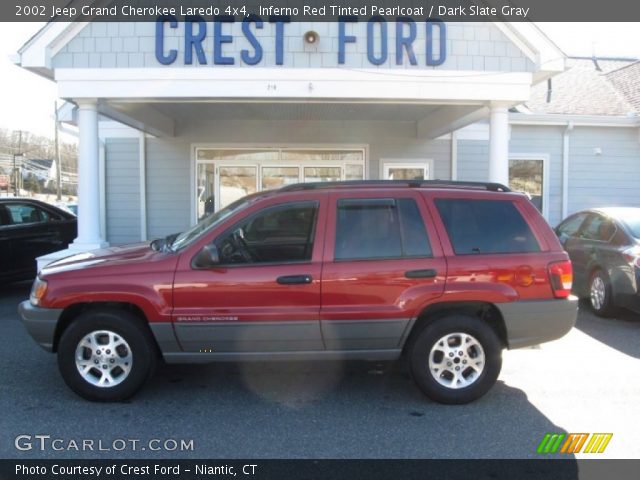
[[224, 175], [418, 170]]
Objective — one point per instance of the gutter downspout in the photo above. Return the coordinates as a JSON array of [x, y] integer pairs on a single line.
[[454, 155], [565, 169], [142, 165]]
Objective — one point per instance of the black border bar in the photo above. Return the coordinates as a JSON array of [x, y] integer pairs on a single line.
[[324, 10], [556, 468], [288, 469]]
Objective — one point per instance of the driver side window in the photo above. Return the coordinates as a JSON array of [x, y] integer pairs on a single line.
[[280, 234]]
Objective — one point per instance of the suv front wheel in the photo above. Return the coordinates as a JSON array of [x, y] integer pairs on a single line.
[[106, 355], [455, 359]]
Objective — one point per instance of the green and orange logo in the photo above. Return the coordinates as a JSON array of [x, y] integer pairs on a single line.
[[573, 442]]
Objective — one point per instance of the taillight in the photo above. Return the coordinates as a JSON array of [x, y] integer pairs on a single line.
[[561, 276]]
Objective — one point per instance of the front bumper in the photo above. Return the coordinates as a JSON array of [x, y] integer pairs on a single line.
[[534, 322], [40, 323]]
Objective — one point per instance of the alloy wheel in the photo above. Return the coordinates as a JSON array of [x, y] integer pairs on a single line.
[[456, 360]]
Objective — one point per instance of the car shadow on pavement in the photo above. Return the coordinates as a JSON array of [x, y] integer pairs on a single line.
[[621, 332], [348, 410]]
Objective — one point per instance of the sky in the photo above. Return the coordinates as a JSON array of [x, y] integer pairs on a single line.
[[28, 100]]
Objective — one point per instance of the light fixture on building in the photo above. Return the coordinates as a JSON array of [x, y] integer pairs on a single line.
[[597, 151], [311, 37]]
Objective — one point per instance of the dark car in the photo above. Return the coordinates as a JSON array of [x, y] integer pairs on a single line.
[[28, 229], [604, 246], [446, 274]]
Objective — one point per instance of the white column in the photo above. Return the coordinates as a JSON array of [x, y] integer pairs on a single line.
[[88, 178], [499, 145]]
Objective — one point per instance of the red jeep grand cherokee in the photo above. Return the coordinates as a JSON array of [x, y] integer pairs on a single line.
[[446, 273]]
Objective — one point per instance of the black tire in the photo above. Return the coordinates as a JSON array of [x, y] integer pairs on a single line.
[[127, 327], [420, 352], [606, 308]]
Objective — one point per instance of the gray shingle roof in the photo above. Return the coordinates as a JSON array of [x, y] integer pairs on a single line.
[[626, 80], [591, 87]]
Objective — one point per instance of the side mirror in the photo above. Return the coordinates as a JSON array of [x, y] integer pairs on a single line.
[[207, 257]]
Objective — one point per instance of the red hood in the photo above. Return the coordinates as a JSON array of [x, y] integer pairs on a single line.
[[125, 254]]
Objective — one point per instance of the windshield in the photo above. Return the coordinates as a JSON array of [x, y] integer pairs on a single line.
[[187, 237]]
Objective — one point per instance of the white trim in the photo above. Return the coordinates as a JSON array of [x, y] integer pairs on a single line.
[[374, 86], [426, 164], [142, 165], [544, 157], [518, 41], [577, 120], [549, 59], [36, 53], [65, 37]]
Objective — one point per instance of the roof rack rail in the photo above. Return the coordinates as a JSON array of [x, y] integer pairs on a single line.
[[489, 186]]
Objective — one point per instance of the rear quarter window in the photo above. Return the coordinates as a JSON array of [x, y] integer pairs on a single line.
[[485, 226]]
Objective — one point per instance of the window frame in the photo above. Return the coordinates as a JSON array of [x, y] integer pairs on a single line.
[[249, 218], [426, 164]]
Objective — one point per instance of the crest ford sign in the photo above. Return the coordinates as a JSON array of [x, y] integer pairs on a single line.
[[382, 43]]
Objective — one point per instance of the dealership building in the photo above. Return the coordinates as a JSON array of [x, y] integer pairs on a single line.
[[176, 119]]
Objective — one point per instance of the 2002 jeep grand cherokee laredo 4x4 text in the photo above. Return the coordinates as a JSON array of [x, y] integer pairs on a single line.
[[446, 273]]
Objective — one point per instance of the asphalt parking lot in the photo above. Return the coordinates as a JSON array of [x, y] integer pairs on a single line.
[[585, 382]]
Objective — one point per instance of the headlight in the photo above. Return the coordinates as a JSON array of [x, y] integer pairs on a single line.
[[38, 290]]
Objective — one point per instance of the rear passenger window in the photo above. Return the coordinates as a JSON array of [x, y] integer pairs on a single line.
[[598, 228], [380, 228], [485, 226]]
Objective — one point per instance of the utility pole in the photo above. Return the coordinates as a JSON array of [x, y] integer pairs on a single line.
[[15, 167], [57, 155]]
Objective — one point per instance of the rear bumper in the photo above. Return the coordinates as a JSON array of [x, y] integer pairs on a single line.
[[40, 323], [534, 322]]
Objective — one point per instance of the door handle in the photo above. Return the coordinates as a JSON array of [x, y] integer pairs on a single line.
[[428, 273], [294, 279]]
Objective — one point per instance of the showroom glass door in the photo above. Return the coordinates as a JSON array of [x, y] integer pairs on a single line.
[[223, 175]]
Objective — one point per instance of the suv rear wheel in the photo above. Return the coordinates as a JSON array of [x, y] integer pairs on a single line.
[[105, 355], [455, 359]]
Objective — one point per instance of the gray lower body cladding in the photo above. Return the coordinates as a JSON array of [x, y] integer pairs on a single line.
[[41, 323], [533, 322]]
